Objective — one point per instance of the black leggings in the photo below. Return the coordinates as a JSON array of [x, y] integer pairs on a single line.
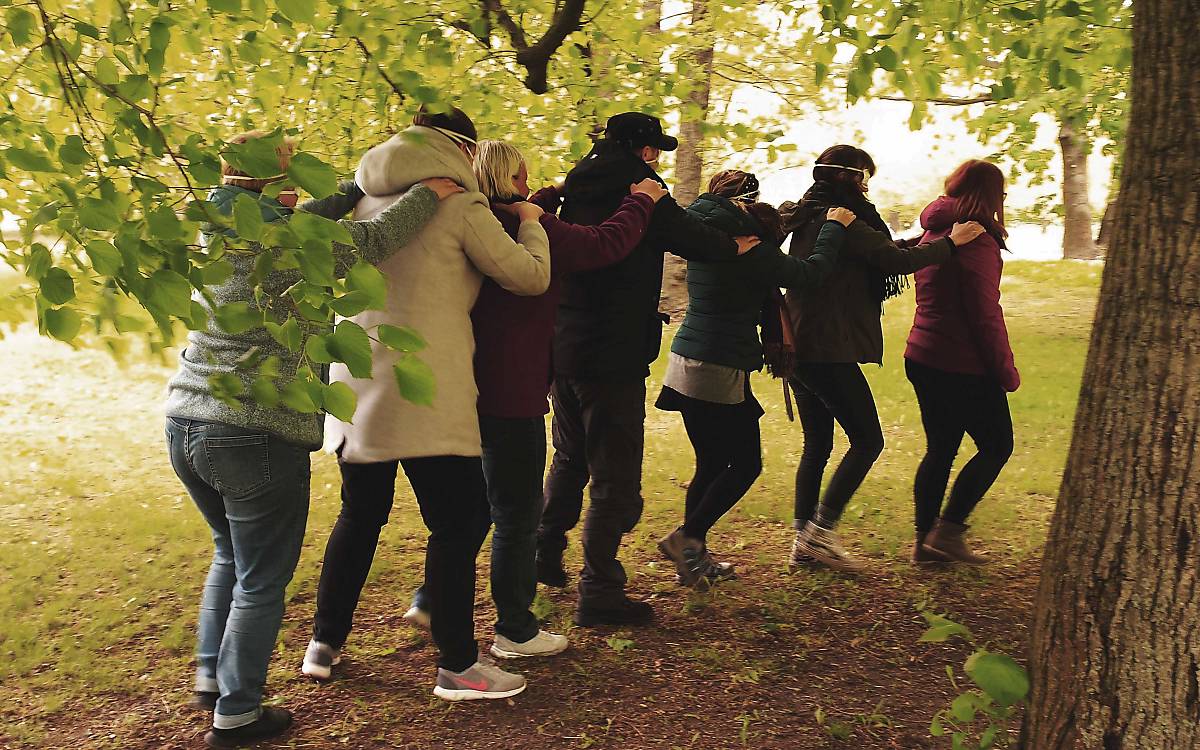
[[825, 392], [728, 459], [954, 404]]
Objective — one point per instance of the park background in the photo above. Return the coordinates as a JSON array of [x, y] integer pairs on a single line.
[[103, 554]]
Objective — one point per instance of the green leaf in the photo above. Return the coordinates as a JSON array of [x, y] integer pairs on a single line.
[[1070, 9], [73, 152], [340, 401], [350, 344], [106, 72], [618, 644], [238, 317], [316, 263], [247, 218], [942, 628], [885, 57], [257, 157], [962, 708], [21, 25], [296, 397], [57, 286], [416, 380], [164, 224], [99, 214], [216, 273], [1020, 48], [350, 304], [999, 676], [170, 293], [106, 259], [303, 11], [366, 278], [225, 6], [315, 176], [400, 338], [39, 261], [264, 392], [287, 335], [310, 226], [62, 323], [317, 350], [30, 161], [160, 34]]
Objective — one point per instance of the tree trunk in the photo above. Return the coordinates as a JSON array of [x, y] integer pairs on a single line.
[[1105, 236], [1077, 221], [1115, 652], [689, 163]]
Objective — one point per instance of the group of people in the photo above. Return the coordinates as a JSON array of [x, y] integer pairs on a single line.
[[556, 295]]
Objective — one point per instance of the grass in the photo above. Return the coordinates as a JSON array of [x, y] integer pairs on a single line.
[[103, 554]]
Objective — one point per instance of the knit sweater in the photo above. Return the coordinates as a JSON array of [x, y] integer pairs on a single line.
[[212, 351]]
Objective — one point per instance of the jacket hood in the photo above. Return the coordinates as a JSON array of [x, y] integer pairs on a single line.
[[410, 156], [223, 197], [608, 169]]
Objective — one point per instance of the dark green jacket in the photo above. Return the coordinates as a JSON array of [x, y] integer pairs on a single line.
[[726, 299]]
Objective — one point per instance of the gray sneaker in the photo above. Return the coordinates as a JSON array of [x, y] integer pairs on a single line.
[[542, 644], [320, 659], [478, 681], [822, 544]]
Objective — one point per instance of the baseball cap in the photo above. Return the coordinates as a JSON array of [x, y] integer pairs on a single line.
[[638, 130]]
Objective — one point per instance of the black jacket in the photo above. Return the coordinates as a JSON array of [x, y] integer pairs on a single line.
[[725, 300], [609, 327]]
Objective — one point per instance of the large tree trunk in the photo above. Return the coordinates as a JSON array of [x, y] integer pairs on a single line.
[[1115, 653], [1077, 221], [689, 163]]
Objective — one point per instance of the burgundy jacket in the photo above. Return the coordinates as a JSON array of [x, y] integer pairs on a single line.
[[959, 324], [514, 335]]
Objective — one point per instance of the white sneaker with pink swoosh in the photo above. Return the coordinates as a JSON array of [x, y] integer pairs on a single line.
[[476, 682]]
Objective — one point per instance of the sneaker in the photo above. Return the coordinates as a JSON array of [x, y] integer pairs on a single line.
[[624, 611], [417, 617], [542, 644], [822, 544], [320, 659], [691, 565], [550, 569], [717, 571], [799, 558], [478, 681], [204, 700], [272, 723]]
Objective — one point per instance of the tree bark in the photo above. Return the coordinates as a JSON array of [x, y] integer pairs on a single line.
[[1105, 237], [1077, 220], [689, 163], [1115, 652]]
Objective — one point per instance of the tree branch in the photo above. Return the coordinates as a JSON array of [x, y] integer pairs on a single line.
[[952, 101], [535, 58]]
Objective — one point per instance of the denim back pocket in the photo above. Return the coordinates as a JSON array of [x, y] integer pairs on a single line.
[[240, 464]]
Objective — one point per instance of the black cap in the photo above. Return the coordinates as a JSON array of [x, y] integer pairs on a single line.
[[637, 130]]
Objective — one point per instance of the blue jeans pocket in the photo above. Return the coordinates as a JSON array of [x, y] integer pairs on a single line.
[[239, 464]]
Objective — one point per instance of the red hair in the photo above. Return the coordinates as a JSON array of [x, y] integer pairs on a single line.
[[978, 189]]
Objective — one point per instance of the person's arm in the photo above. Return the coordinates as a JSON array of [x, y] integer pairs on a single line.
[[521, 267], [337, 205], [676, 231], [548, 199], [575, 247], [877, 249], [981, 265], [792, 272]]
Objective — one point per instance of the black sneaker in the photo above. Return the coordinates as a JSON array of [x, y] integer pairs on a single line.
[[272, 723], [203, 700], [550, 569], [624, 611]]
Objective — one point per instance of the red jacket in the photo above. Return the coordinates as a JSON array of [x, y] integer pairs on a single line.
[[959, 324], [514, 335]]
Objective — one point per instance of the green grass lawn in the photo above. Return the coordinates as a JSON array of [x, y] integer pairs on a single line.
[[103, 554]]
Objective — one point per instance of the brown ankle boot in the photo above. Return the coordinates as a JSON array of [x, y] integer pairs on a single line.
[[946, 539], [922, 556]]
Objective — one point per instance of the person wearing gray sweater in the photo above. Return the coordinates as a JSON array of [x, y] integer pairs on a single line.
[[246, 464]]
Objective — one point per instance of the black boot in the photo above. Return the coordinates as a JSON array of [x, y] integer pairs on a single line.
[[272, 723], [550, 568]]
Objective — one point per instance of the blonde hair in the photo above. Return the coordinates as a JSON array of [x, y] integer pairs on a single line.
[[496, 165], [234, 176]]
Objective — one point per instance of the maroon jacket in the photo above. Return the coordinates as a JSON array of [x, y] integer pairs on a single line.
[[959, 324], [514, 335]]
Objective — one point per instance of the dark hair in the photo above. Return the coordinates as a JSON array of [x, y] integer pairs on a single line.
[[843, 156], [768, 217], [732, 183], [978, 189], [456, 121]]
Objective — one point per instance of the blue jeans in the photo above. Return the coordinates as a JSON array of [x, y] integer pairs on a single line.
[[514, 462], [252, 489]]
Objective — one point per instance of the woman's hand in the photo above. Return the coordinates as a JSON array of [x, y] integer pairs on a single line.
[[527, 211], [961, 234], [443, 186], [843, 216], [650, 187], [746, 243]]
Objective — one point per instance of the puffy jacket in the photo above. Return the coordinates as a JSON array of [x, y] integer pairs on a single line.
[[725, 299], [959, 324], [608, 326]]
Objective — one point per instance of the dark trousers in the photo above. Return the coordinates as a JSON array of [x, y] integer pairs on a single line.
[[450, 492], [728, 459], [827, 392], [598, 435], [953, 404]]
